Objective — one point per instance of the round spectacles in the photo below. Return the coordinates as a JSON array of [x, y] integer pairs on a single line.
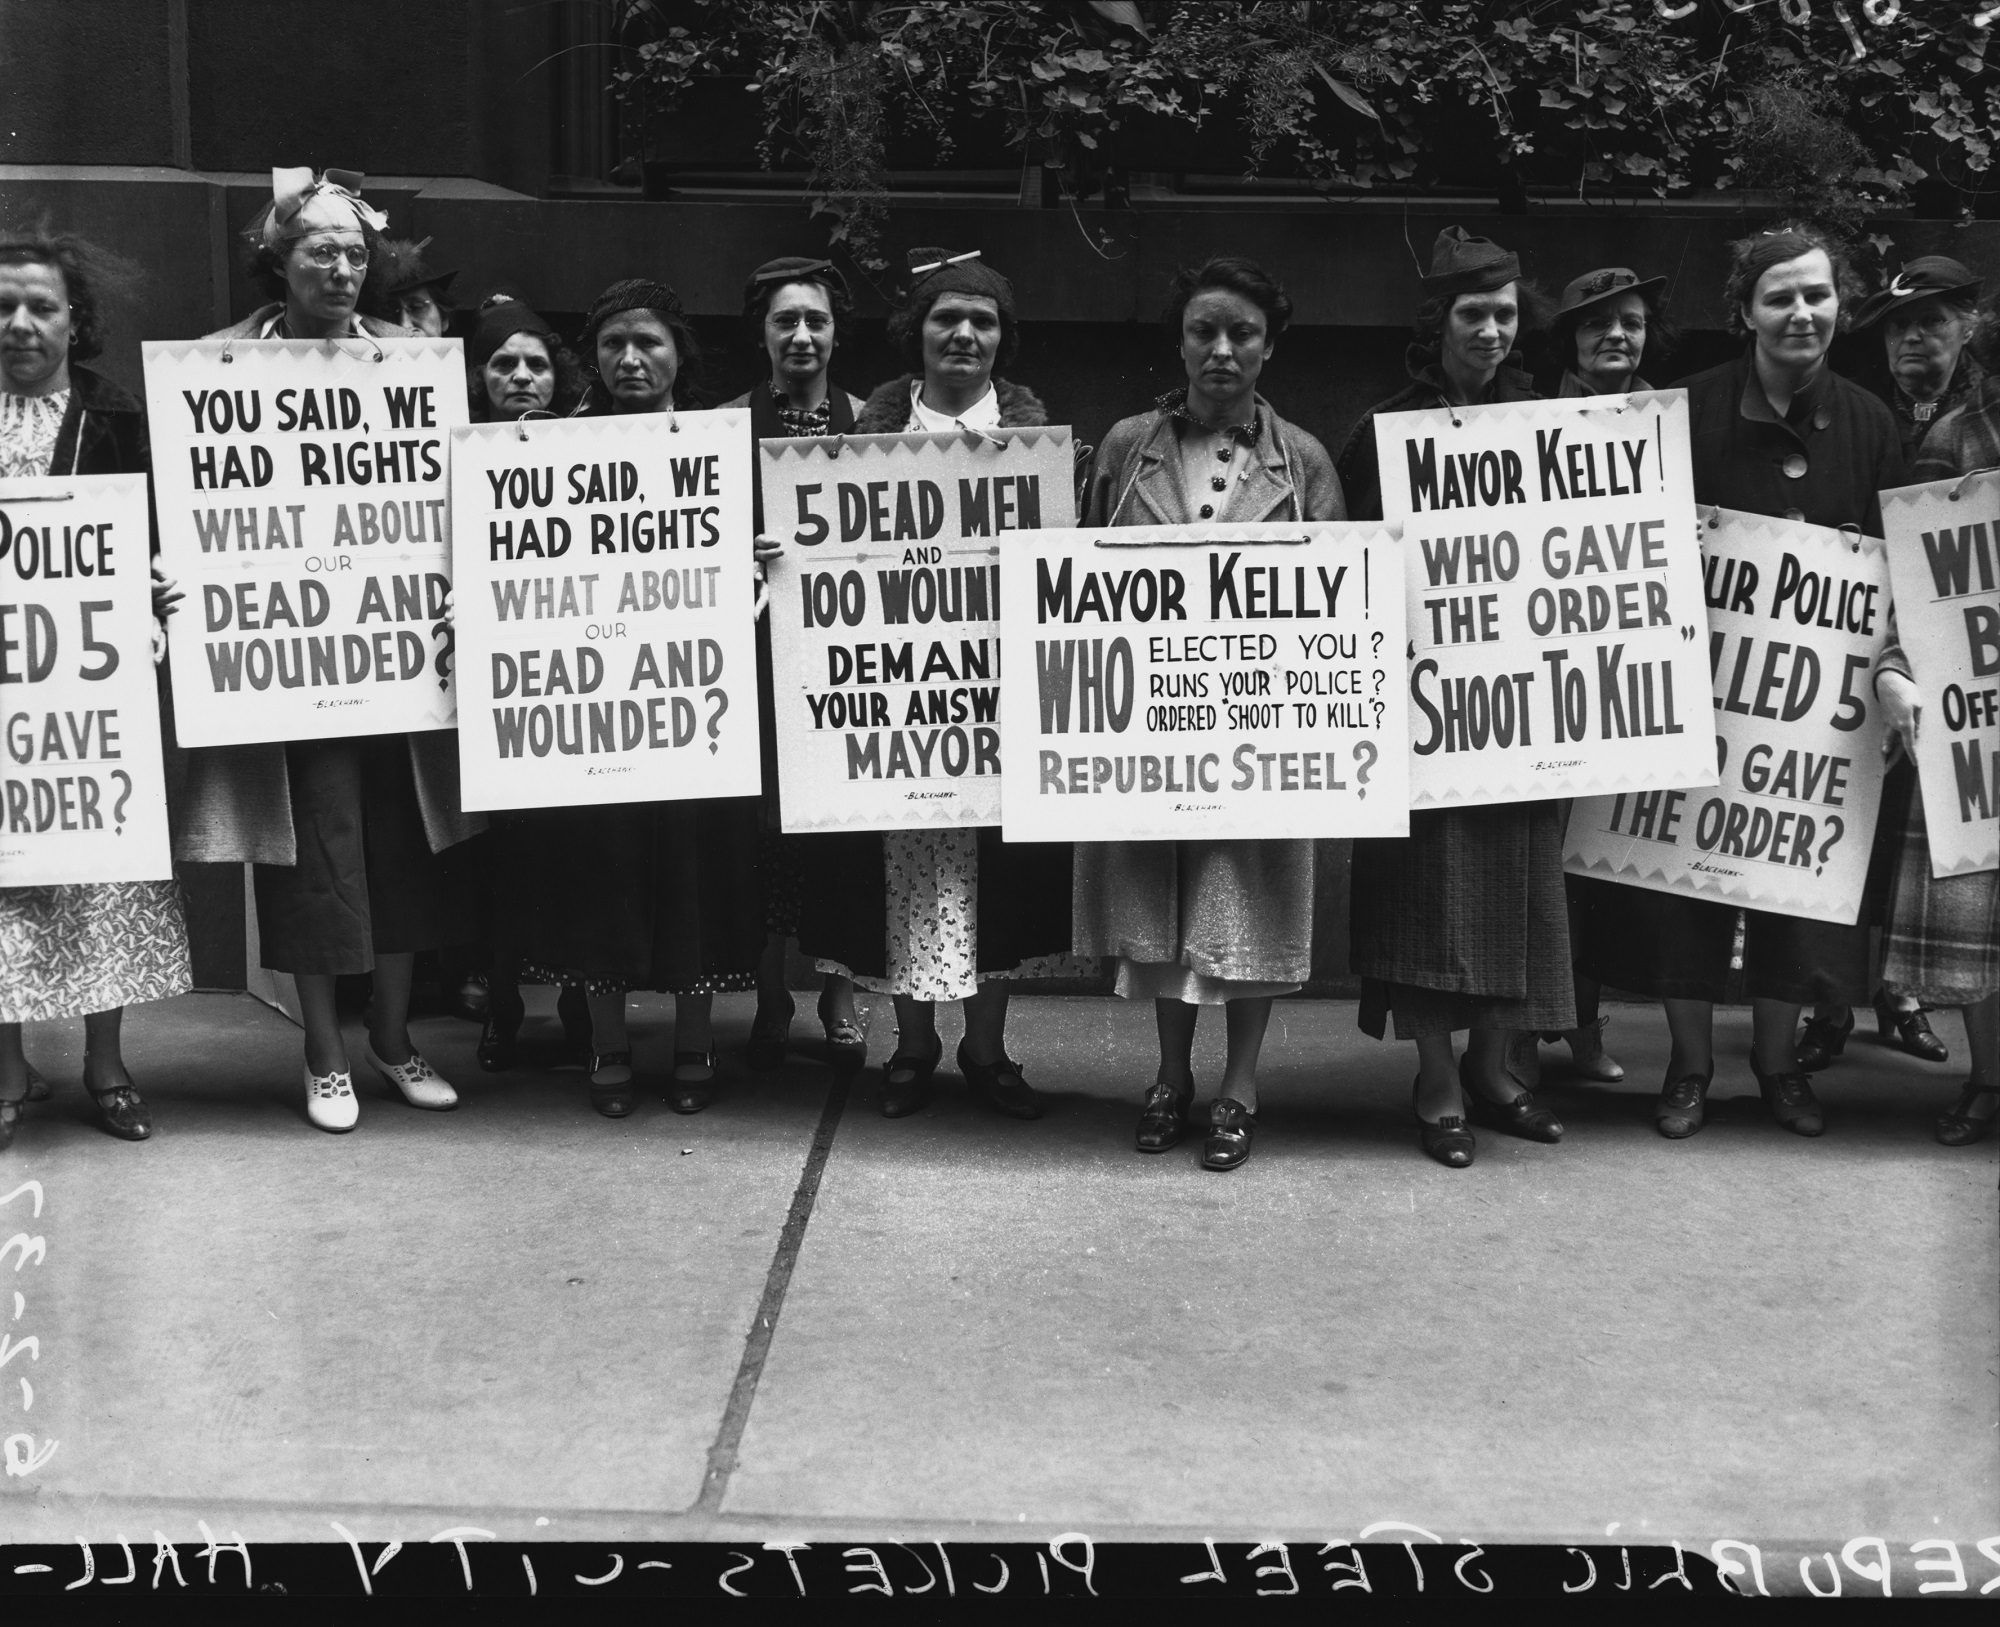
[[327, 255]]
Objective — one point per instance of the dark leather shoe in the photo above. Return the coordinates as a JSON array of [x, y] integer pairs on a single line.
[[1163, 1118], [906, 1080], [497, 1047], [1000, 1085], [1961, 1126], [1820, 1041], [1521, 1116], [1912, 1030], [1682, 1106], [123, 1113], [1448, 1140], [614, 1098], [1230, 1126], [691, 1086], [1791, 1101]]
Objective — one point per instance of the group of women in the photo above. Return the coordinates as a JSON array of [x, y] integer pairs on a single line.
[[363, 856]]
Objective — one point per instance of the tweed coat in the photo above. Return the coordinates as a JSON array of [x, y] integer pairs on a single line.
[[1241, 911], [1023, 887]]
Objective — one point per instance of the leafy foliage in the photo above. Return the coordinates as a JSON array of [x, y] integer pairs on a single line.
[[1841, 115]]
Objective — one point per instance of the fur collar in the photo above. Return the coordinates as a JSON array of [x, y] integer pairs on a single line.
[[887, 409]]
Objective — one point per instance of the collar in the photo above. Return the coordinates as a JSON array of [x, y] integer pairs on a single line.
[[1174, 404], [982, 414], [1809, 407]]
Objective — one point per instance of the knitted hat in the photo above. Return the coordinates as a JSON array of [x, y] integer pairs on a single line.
[[1920, 278], [1464, 264], [789, 268], [1594, 287], [941, 271], [499, 323], [630, 294], [301, 204]]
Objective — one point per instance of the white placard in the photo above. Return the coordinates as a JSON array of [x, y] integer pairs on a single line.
[[1205, 681], [1797, 614], [885, 617], [1944, 569], [82, 798], [303, 506], [1554, 597], [605, 610]]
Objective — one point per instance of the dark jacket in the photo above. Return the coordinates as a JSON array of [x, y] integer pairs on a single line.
[[1023, 890], [1966, 379], [1359, 477], [104, 430], [1573, 387], [1823, 462]]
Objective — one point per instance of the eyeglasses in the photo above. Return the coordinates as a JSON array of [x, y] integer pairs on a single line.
[[326, 255]]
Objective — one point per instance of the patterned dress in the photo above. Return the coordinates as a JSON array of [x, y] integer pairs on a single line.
[[69, 951]]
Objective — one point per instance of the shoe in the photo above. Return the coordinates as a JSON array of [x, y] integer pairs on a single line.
[[692, 1095], [906, 1080], [1912, 1028], [1230, 1125], [38, 1087], [1522, 1116], [846, 1041], [330, 1100], [574, 1012], [498, 1039], [1820, 1041], [1587, 1053], [123, 1113], [1959, 1127], [421, 1084], [1163, 1119], [613, 1091], [470, 999], [1682, 1105], [1000, 1085], [1790, 1099], [769, 1037]]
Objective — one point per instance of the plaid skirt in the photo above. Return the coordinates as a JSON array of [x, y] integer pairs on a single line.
[[1943, 941]]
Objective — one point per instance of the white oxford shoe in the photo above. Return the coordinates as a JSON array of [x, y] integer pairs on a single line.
[[330, 1100], [421, 1084]]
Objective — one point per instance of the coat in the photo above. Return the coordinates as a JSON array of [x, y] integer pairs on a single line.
[[234, 805], [1359, 477], [1240, 911], [1023, 887], [103, 431]]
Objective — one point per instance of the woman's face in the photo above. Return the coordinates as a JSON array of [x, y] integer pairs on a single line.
[[520, 377], [961, 337], [1479, 329], [324, 271], [1792, 310], [1924, 340], [637, 360], [1225, 342], [34, 329], [1610, 340], [420, 310], [798, 332]]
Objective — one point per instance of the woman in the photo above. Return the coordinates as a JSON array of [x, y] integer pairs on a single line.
[[1774, 432], [1943, 941], [645, 895], [1207, 923], [1462, 924], [346, 834], [91, 948], [517, 368], [402, 289], [929, 915], [794, 308]]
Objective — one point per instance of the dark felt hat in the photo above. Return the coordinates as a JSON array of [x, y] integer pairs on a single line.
[[1464, 264], [790, 268], [1920, 278], [946, 271], [499, 323], [1594, 287], [404, 267]]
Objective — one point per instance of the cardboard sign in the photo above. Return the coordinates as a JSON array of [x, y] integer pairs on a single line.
[[1944, 569], [81, 792], [1797, 614], [1554, 597], [885, 617], [1205, 681], [605, 610], [303, 506]]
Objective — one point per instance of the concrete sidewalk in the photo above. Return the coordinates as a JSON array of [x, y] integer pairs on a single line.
[[523, 1313]]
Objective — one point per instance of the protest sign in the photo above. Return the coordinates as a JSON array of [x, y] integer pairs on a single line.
[[605, 609], [885, 617], [1944, 571], [81, 792], [1204, 681], [1553, 596], [1797, 614], [302, 500]]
